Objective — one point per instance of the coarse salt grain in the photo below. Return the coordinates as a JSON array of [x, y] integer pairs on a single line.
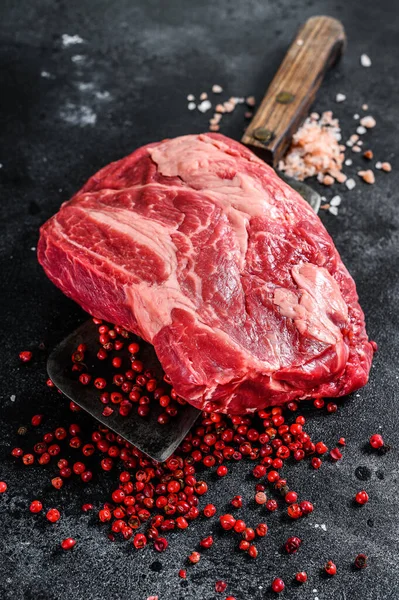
[[368, 154], [217, 89], [229, 106], [378, 165], [350, 184], [365, 106], [190, 97], [367, 176], [369, 122], [348, 162], [70, 40], [387, 167], [340, 177], [220, 108], [340, 98], [335, 201], [204, 106], [365, 60], [361, 130], [203, 96], [214, 127], [356, 149], [356, 117], [250, 100], [215, 119], [191, 106], [333, 210]]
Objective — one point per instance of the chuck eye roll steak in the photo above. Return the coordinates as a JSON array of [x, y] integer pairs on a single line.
[[198, 247]]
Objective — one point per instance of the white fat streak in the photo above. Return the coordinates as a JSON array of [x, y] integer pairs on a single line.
[[152, 304], [147, 232], [197, 161], [320, 296]]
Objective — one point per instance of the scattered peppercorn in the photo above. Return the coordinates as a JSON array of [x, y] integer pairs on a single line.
[[227, 522], [260, 498], [278, 585], [222, 471], [261, 529], [160, 544], [291, 497], [330, 568], [361, 561], [36, 506], [362, 497], [236, 502], [252, 551], [209, 510], [220, 586], [68, 544], [194, 557], [292, 545], [335, 454], [206, 542], [294, 511], [271, 505], [53, 515], [376, 441]]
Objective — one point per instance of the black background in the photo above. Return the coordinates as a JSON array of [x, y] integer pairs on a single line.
[[149, 56]]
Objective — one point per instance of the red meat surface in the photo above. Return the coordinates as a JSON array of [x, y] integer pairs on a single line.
[[198, 247]]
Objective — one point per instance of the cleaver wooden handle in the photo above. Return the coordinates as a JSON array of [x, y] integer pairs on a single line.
[[316, 47]]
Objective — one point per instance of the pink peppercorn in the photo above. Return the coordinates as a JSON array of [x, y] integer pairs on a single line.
[[68, 544]]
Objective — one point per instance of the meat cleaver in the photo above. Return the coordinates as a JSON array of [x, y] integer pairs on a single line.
[[317, 46]]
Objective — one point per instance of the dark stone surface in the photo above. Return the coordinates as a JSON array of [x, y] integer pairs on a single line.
[[148, 56]]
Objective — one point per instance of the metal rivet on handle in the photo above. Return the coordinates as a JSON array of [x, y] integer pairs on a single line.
[[285, 97], [263, 135]]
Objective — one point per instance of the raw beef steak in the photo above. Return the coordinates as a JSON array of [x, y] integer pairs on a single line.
[[198, 247]]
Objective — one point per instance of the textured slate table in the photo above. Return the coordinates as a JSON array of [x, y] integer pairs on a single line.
[[131, 75]]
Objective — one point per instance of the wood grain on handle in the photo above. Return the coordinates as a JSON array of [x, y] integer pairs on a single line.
[[316, 47]]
